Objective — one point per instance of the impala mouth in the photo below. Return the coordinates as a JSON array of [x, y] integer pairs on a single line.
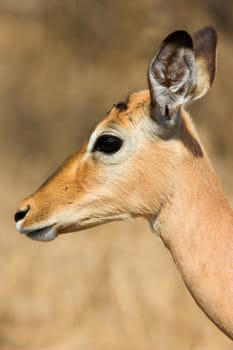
[[47, 233]]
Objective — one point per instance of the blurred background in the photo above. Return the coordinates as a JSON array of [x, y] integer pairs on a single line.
[[62, 66]]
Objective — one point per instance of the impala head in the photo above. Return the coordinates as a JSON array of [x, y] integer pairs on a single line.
[[129, 164]]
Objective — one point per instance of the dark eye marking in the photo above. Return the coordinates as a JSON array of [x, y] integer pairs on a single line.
[[121, 106], [108, 144]]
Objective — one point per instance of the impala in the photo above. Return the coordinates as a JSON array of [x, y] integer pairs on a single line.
[[145, 159]]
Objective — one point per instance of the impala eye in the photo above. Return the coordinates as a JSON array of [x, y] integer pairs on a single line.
[[108, 144]]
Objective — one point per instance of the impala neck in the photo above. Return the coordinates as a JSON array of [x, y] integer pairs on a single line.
[[197, 227]]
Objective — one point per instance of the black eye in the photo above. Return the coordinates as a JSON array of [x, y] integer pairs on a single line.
[[108, 144]]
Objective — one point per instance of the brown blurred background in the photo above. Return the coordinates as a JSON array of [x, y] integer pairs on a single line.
[[62, 66]]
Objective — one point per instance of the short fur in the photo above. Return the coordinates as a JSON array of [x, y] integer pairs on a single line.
[[161, 173]]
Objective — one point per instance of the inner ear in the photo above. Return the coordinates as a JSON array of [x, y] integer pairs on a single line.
[[171, 76]]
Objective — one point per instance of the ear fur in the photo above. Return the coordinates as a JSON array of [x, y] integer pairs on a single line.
[[182, 70], [204, 43]]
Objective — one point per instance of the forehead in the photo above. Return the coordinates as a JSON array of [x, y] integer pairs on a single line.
[[129, 112]]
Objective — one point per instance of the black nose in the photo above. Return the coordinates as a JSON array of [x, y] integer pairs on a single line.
[[19, 215]]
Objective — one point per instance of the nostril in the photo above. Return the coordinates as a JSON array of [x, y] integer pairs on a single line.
[[19, 215]]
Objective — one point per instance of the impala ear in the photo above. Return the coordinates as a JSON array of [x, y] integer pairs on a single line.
[[172, 76], [205, 44], [182, 70]]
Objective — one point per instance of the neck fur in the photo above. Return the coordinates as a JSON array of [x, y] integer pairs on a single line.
[[197, 227]]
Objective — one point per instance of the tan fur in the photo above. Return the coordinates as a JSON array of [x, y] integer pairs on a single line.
[[161, 173]]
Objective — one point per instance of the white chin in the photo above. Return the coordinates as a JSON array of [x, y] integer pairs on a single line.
[[43, 234]]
